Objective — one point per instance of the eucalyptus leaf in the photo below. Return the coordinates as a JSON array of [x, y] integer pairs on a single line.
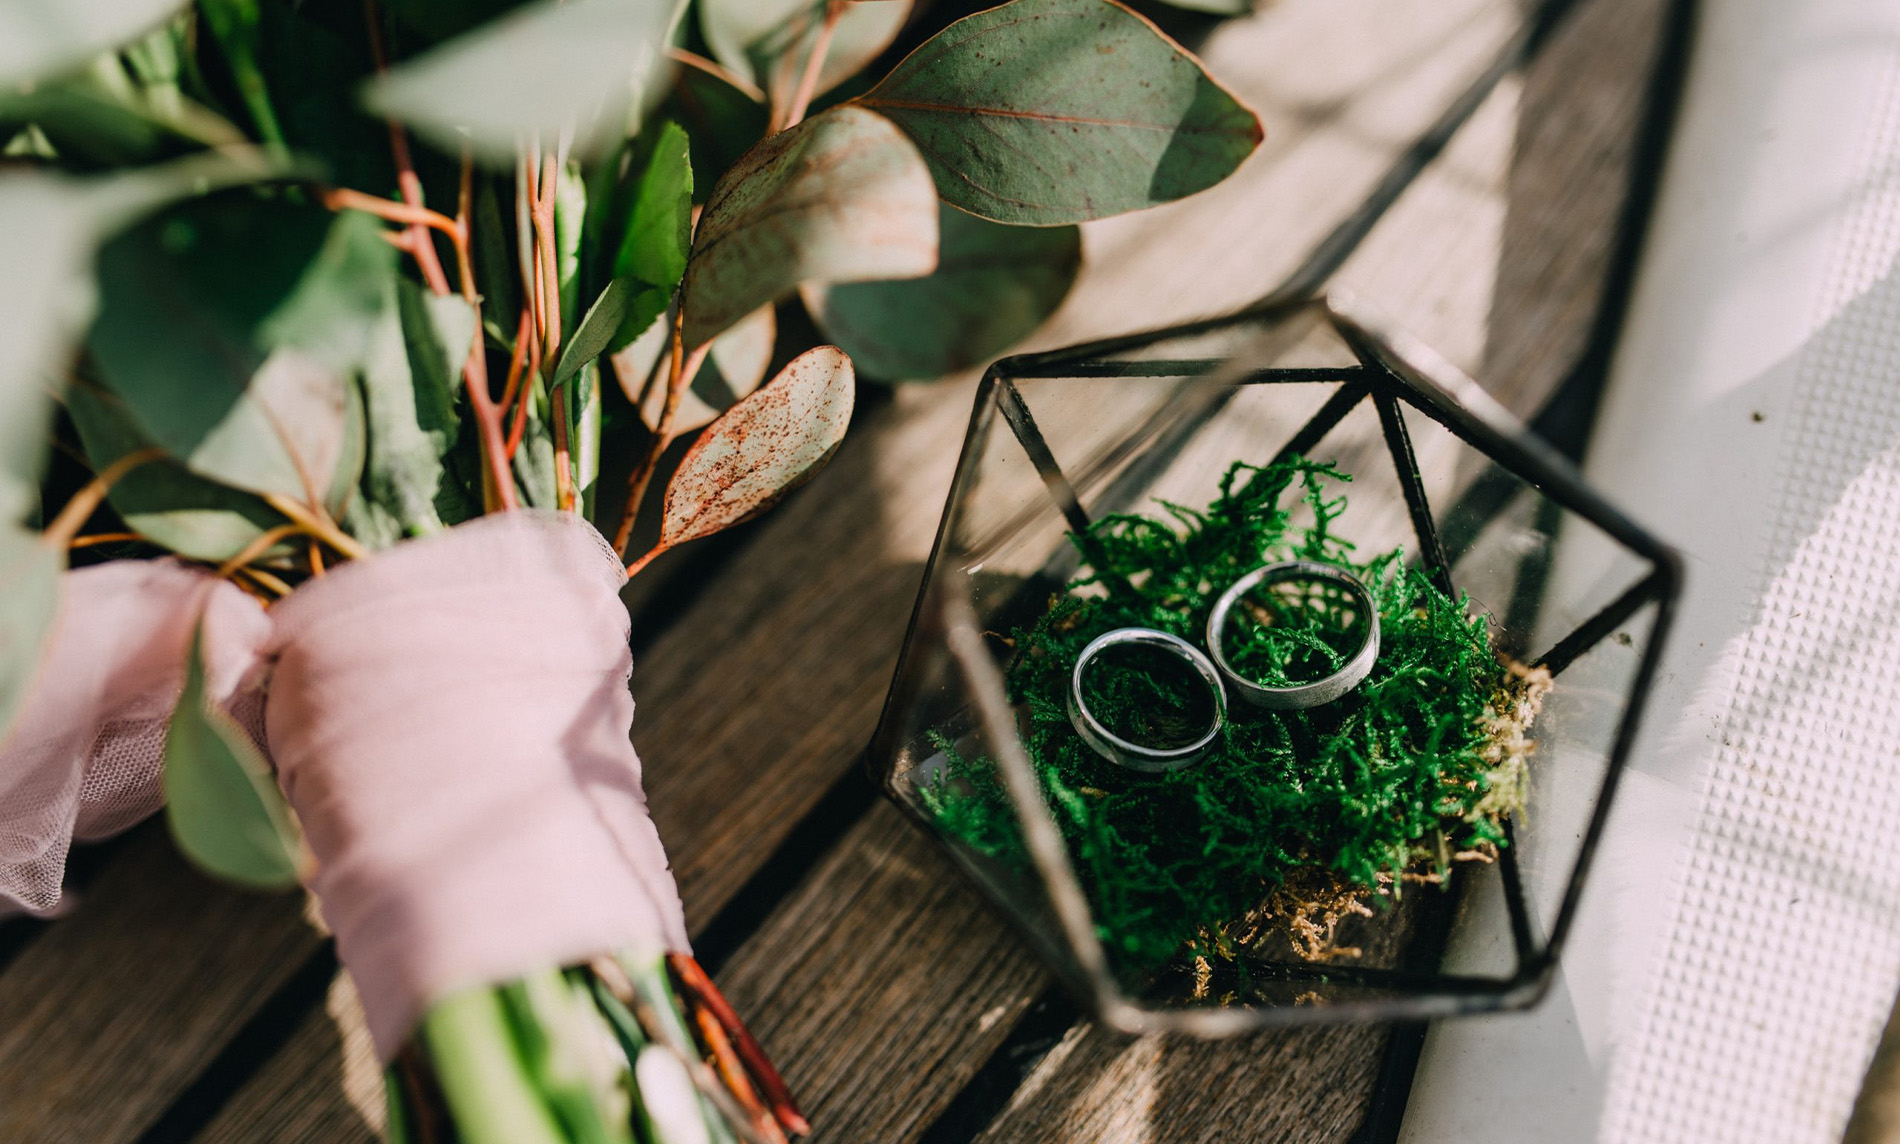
[[534, 461], [314, 58], [1043, 112], [993, 285], [445, 19], [1214, 7], [236, 25], [223, 805], [162, 500], [495, 265], [40, 39], [767, 42], [29, 598], [89, 122], [735, 366], [722, 115], [658, 229], [762, 448], [231, 326], [597, 329], [409, 385], [49, 228], [47, 235], [548, 68], [842, 197]]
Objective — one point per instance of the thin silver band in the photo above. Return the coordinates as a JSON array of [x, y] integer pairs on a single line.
[[1134, 755], [1349, 675]]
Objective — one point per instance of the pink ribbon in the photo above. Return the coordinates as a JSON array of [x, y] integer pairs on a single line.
[[448, 719]]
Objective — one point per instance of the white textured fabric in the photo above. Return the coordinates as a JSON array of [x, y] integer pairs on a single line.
[[1739, 947]]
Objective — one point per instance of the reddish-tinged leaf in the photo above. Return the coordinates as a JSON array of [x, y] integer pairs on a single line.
[[762, 448], [843, 197]]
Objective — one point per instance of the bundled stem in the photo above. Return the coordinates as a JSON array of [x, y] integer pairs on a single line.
[[477, 1072]]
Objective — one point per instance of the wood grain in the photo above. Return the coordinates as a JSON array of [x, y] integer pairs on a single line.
[[764, 690], [1509, 291], [881, 984], [106, 1016]]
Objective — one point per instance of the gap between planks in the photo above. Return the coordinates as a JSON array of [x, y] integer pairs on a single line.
[[766, 689]]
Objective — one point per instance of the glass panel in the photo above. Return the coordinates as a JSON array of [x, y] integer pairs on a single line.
[[1154, 424]]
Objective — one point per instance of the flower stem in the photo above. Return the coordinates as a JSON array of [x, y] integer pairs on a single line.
[[85, 502], [699, 985], [683, 368], [814, 66], [484, 1082]]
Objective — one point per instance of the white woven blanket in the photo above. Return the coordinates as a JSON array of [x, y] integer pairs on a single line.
[[1739, 945]]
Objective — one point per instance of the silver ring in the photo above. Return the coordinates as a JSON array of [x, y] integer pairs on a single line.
[[1349, 675], [1136, 756]]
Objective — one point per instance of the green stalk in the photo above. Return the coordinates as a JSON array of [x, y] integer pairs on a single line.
[[484, 1082], [585, 438], [233, 24], [566, 1045], [655, 990], [398, 1106]]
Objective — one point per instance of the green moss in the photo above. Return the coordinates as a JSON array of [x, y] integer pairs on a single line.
[[1398, 775]]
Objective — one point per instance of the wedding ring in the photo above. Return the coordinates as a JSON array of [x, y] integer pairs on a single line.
[[1138, 756], [1348, 676]]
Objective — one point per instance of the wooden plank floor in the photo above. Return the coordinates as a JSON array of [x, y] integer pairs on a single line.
[[171, 1010]]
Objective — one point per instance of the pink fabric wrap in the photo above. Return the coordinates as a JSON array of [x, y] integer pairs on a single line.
[[449, 720], [82, 759]]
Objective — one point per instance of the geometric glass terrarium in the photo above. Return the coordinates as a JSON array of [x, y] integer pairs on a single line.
[[1466, 499]]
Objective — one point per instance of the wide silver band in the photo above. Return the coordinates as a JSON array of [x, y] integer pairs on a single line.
[[1350, 674], [1136, 756]]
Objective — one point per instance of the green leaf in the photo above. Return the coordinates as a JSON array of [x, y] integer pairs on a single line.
[[91, 122], [534, 462], [722, 119], [497, 269], [231, 327], [1044, 112], [41, 39], [235, 25], [29, 598], [48, 228], [44, 294], [162, 500], [767, 42], [615, 306], [659, 226], [762, 448], [993, 285], [223, 805], [409, 385], [843, 197], [314, 58], [445, 19], [546, 69], [734, 368]]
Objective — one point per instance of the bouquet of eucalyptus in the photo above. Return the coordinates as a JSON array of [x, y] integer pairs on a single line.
[[323, 323]]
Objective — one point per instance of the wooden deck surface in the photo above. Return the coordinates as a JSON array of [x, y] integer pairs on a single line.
[[167, 1009]]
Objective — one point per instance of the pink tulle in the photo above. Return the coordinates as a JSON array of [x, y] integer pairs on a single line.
[[448, 719]]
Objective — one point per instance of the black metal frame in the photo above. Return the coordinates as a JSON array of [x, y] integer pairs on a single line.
[[1392, 372]]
